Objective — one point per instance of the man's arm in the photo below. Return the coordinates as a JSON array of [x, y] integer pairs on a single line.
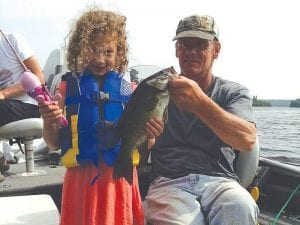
[[231, 129], [33, 65], [16, 90]]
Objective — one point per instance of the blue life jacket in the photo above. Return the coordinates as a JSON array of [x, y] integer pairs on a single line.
[[92, 113]]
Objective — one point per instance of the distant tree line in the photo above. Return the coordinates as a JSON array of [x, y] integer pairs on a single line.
[[275, 102], [295, 103], [258, 102]]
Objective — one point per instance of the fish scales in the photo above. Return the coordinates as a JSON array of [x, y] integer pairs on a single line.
[[149, 100]]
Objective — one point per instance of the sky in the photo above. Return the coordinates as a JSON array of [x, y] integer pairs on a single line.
[[259, 38]]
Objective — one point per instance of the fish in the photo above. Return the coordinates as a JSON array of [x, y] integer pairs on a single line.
[[149, 100]]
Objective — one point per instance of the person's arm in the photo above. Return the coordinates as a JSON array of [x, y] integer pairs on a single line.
[[16, 90], [12, 91], [154, 129], [33, 65], [231, 129], [51, 114]]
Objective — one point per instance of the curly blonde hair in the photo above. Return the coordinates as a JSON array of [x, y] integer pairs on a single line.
[[92, 23]]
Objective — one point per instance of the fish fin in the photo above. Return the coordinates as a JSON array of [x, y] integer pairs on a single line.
[[144, 153], [123, 168]]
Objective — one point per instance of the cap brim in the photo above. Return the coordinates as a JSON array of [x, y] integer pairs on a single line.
[[195, 33]]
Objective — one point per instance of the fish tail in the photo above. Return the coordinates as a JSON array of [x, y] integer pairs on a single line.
[[123, 168]]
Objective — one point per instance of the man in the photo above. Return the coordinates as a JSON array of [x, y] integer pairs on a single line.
[[15, 104], [209, 118]]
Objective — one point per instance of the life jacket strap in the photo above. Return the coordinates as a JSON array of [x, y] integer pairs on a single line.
[[106, 96], [100, 95], [96, 97]]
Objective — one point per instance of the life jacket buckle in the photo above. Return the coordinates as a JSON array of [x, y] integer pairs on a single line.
[[100, 96], [105, 124]]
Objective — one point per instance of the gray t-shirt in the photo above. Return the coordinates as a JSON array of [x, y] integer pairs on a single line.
[[188, 146]]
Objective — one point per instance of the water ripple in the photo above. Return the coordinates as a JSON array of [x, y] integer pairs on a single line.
[[278, 131]]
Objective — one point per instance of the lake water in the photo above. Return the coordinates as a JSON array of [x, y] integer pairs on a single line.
[[279, 133]]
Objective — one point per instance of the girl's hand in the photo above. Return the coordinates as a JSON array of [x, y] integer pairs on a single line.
[[2, 95], [154, 128], [50, 112]]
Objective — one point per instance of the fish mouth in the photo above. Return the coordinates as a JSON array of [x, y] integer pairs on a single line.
[[161, 82]]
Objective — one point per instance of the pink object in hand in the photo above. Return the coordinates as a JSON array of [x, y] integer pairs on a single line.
[[39, 92], [29, 81]]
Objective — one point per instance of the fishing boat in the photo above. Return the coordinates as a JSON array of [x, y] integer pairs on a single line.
[[31, 190], [279, 186]]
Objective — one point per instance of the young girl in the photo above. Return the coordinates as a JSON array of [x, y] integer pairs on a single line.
[[96, 56]]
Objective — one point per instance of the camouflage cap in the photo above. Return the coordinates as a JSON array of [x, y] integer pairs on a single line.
[[197, 26]]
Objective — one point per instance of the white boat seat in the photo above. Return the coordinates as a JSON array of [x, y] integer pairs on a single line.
[[53, 69], [29, 209], [26, 128], [247, 164], [24, 132]]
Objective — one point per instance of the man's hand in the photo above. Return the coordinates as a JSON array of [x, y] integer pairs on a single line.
[[185, 93]]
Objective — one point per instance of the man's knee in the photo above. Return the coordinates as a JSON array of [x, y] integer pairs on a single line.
[[239, 198], [239, 205]]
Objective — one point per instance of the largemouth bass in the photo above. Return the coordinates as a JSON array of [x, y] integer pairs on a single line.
[[149, 100]]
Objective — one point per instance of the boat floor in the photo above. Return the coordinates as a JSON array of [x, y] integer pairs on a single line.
[[49, 179], [45, 179], [268, 213]]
